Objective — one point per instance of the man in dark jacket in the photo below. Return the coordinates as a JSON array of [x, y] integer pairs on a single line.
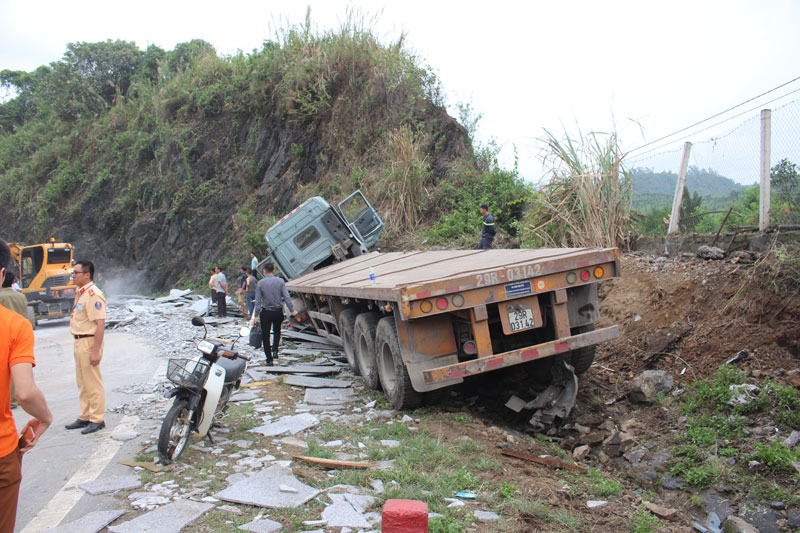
[[271, 294], [488, 231]]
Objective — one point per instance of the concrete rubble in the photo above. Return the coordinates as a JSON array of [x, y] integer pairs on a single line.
[[89, 523], [111, 484], [171, 518], [263, 489]]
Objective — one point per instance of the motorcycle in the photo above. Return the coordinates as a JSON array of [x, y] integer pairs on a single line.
[[204, 385]]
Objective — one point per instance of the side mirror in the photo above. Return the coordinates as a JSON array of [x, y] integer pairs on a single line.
[[244, 332], [198, 321]]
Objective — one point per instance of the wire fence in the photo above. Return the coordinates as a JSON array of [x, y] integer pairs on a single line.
[[735, 155]]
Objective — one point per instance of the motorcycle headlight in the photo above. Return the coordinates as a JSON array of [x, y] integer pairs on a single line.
[[205, 347]]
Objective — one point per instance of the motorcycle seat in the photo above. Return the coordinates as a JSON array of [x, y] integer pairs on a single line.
[[234, 368]]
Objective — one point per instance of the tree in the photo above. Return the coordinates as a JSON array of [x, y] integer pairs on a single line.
[[690, 207]]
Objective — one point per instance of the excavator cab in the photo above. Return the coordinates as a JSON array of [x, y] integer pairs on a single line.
[[45, 278]]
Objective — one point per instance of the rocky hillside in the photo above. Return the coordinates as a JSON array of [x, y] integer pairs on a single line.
[[169, 161]]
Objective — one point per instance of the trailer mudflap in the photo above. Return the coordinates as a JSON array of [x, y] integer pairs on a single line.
[[524, 355]]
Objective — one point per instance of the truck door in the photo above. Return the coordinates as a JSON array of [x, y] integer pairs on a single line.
[[32, 260], [361, 218]]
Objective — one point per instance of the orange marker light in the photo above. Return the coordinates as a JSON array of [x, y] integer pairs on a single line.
[[598, 272]]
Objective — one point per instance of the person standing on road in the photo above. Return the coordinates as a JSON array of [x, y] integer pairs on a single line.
[[271, 292], [17, 302], [253, 262], [16, 367], [222, 292], [240, 292], [487, 231], [87, 324], [212, 284], [250, 291]]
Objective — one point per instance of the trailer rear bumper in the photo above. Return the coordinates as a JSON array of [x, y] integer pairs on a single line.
[[524, 355]]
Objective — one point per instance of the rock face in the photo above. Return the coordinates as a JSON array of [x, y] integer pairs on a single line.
[[646, 386]]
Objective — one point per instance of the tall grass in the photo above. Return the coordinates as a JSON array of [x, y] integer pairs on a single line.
[[402, 187], [588, 200]]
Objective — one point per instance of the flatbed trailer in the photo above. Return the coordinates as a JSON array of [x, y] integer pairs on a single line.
[[427, 320]]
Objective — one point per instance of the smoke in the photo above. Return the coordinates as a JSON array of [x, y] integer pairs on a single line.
[[121, 282]]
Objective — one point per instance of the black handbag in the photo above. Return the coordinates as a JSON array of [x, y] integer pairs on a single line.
[[255, 336]]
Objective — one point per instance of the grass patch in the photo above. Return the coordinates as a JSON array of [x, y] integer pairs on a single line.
[[776, 456], [643, 521]]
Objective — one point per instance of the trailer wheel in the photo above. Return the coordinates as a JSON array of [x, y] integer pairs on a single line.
[[391, 369], [582, 358], [32, 317], [347, 320], [364, 341]]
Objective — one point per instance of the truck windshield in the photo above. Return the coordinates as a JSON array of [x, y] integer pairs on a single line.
[[59, 255]]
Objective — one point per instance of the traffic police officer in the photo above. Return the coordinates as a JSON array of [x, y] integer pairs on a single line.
[[488, 231], [87, 325]]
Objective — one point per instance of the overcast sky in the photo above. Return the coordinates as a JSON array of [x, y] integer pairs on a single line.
[[643, 67]]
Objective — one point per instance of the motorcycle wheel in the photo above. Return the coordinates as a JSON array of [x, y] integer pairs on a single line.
[[175, 431]]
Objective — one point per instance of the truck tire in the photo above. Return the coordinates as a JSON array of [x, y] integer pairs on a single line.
[[32, 317], [364, 341], [582, 358], [391, 369], [347, 320]]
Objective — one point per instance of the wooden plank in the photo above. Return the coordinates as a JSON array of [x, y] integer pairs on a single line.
[[334, 464], [552, 462]]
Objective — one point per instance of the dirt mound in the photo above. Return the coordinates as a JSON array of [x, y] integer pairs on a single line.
[[718, 303]]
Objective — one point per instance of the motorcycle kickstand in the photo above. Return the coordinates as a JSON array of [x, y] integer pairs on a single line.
[[210, 438]]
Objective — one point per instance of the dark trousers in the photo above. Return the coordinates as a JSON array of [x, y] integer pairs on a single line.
[[10, 476], [271, 320], [222, 305], [486, 243]]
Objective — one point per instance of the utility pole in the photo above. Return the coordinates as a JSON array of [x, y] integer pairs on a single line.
[[766, 149]]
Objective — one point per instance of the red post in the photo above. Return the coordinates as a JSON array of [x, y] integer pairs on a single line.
[[404, 516]]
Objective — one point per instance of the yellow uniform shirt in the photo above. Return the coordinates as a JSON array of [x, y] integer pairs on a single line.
[[90, 305]]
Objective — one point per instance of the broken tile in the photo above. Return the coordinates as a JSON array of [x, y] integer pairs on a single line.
[[111, 484], [328, 396], [244, 444], [288, 424], [342, 513], [360, 502], [293, 441], [245, 396], [486, 516], [390, 443], [168, 519], [89, 523], [231, 509], [303, 369], [124, 436], [317, 383], [264, 525], [263, 489]]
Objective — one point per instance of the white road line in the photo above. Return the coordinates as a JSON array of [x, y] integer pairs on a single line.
[[66, 498]]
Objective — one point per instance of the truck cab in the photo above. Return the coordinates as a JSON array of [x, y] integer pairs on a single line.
[[316, 234], [45, 278]]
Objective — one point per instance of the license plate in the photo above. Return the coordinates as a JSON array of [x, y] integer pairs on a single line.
[[521, 319]]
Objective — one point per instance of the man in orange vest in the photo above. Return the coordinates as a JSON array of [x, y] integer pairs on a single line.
[[16, 366]]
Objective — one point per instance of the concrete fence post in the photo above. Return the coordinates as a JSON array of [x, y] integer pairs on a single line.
[[766, 149], [674, 217]]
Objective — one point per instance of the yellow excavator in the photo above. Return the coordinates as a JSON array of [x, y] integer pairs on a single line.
[[45, 276]]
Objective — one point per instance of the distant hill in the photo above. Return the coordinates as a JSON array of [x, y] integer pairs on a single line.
[[655, 189]]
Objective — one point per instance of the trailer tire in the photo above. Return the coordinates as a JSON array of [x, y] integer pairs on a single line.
[[347, 320], [582, 358], [32, 317], [364, 344], [391, 369]]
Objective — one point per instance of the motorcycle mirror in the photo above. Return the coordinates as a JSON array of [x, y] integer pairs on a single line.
[[244, 332], [198, 321]]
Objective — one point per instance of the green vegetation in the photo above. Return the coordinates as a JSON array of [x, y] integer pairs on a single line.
[[704, 210], [588, 199]]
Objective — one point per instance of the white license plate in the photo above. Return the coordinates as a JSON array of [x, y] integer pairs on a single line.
[[521, 319]]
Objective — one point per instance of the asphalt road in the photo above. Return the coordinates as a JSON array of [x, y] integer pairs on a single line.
[[63, 456]]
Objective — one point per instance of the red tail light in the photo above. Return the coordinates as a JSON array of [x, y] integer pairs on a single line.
[[470, 348]]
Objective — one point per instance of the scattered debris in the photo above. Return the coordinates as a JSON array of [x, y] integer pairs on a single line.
[[647, 385], [592, 504], [486, 516], [661, 512], [710, 252], [89, 523], [170, 518], [152, 467], [111, 484], [550, 461], [263, 489], [335, 464], [741, 355], [557, 400], [342, 513], [318, 383], [264, 525], [664, 341], [328, 396], [288, 424], [743, 394]]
